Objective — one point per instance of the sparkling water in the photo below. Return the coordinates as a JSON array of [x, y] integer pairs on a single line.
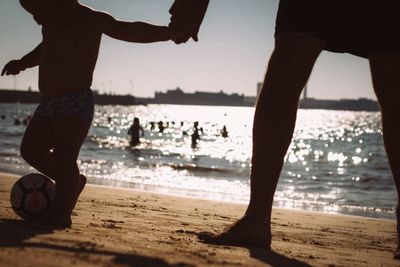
[[336, 162]]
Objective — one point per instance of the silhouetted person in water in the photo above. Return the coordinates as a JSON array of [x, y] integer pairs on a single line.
[[17, 122], [152, 125], [161, 127], [66, 58], [195, 135], [135, 131], [367, 28], [224, 132], [27, 120]]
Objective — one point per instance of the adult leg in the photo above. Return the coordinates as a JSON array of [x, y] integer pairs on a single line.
[[385, 70], [288, 71], [69, 135]]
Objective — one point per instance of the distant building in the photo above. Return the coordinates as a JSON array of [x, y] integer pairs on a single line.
[[361, 104], [178, 97], [28, 97], [19, 96], [305, 92], [251, 100], [108, 99]]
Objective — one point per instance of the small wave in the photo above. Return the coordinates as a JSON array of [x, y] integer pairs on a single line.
[[9, 133], [8, 155], [195, 168]]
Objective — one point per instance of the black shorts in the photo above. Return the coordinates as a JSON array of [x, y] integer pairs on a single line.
[[358, 27]]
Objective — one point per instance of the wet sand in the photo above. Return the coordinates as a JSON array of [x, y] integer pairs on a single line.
[[123, 227]]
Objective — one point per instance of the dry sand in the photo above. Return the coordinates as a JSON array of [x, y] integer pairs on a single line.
[[117, 227]]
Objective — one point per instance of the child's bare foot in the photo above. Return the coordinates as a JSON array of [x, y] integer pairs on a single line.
[[54, 219], [57, 219], [245, 232]]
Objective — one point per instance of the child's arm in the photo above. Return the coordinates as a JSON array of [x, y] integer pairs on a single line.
[[138, 32], [30, 60]]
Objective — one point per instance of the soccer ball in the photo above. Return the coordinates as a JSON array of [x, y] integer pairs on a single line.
[[32, 195]]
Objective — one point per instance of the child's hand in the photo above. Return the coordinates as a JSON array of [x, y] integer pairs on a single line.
[[12, 68]]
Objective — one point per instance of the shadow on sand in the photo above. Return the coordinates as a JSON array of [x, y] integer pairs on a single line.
[[262, 254], [15, 233], [274, 259]]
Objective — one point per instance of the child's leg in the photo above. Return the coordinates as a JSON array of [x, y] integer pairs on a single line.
[[36, 145], [69, 135]]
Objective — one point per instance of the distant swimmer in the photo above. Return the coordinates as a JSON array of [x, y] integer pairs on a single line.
[[195, 135], [26, 120], [17, 122], [152, 125], [161, 127], [135, 131], [224, 132]]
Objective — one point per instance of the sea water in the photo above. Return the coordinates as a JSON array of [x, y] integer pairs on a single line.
[[336, 162]]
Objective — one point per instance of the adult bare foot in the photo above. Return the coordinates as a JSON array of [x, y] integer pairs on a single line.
[[82, 183], [397, 251], [246, 232]]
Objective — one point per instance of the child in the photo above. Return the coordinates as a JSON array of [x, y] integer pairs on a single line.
[[66, 58]]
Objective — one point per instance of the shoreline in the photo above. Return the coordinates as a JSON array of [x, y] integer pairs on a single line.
[[126, 227], [131, 189], [160, 192]]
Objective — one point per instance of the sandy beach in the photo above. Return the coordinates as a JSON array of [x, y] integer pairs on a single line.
[[122, 227]]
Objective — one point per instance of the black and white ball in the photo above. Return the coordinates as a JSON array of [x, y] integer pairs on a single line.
[[32, 195]]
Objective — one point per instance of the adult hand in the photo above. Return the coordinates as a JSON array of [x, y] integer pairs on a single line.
[[187, 16], [179, 36], [12, 68]]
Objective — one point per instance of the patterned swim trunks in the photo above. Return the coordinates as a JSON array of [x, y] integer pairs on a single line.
[[80, 103]]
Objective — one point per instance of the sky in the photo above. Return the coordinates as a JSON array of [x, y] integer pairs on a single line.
[[235, 43]]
